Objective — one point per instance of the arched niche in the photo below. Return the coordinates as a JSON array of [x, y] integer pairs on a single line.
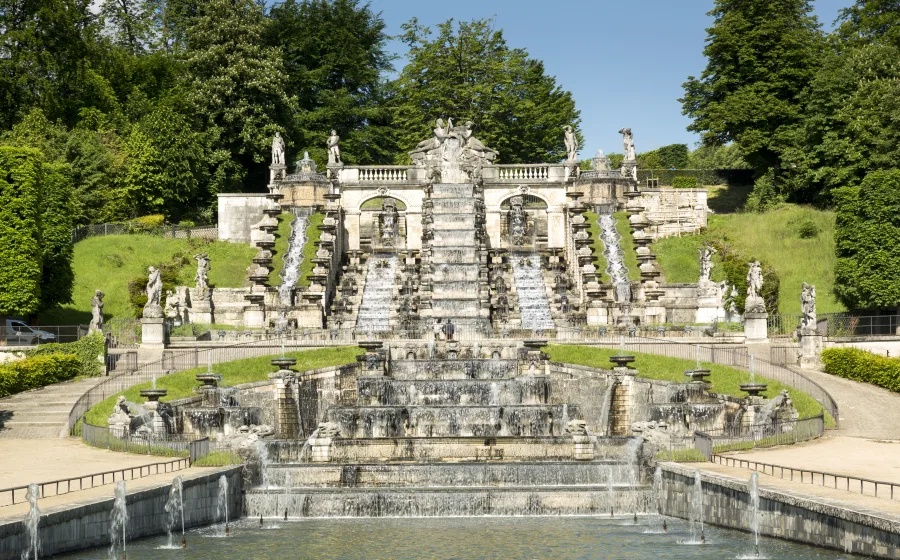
[[523, 222], [382, 224]]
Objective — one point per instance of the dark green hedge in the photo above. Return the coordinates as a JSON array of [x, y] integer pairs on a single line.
[[37, 371], [21, 172], [704, 177], [860, 365], [90, 351], [684, 182]]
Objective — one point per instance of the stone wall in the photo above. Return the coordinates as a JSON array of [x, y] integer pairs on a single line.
[[783, 514], [237, 213], [303, 193], [674, 211], [85, 525]]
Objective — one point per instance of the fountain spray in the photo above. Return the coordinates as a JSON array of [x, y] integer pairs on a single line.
[[222, 503], [753, 488], [175, 508], [31, 522], [118, 521]]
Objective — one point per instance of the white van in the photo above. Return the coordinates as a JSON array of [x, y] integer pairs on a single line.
[[20, 334]]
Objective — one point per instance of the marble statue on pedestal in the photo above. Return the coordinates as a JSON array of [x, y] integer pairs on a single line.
[[628, 139], [571, 144], [96, 313], [334, 148], [808, 308], [277, 150], [706, 264], [202, 277], [754, 302], [153, 309]]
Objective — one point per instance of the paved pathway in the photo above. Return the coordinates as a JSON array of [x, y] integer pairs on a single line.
[[41, 413]]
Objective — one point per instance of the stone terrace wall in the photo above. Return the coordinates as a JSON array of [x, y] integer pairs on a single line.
[[674, 210], [783, 514], [86, 524]]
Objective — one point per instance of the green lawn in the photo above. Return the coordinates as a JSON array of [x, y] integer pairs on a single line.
[[773, 237], [109, 262], [723, 379], [309, 250], [183, 383], [282, 239], [597, 246], [627, 245]]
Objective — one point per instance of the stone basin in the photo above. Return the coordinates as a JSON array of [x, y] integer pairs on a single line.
[[153, 395], [754, 389], [699, 375], [622, 361], [209, 380], [371, 345], [284, 363]]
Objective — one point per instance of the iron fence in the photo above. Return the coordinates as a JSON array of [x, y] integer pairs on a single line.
[[783, 325], [785, 355], [81, 233], [19, 334], [744, 437], [845, 324], [166, 445], [16, 495], [867, 486]]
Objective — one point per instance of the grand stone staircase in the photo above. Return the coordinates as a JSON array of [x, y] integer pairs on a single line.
[[41, 413]]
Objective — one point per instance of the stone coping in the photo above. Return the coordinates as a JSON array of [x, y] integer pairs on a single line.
[[826, 506], [245, 195]]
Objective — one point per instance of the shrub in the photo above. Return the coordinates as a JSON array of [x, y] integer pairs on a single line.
[[37, 371], [187, 224], [808, 229], [149, 224], [90, 351], [684, 182], [860, 365]]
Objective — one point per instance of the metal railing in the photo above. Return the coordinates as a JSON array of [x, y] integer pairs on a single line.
[[41, 334], [783, 325], [166, 445], [740, 438], [16, 495], [826, 479], [80, 233], [845, 324]]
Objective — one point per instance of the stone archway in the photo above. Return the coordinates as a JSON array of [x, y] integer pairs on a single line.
[[382, 223], [524, 221]]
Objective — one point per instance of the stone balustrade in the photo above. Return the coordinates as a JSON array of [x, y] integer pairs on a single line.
[[383, 174]]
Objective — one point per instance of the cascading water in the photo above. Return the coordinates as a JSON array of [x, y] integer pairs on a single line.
[[262, 452], [375, 309], [696, 511], [175, 512], [118, 522], [533, 304], [754, 510], [655, 523], [222, 505], [631, 472], [31, 523], [292, 260], [615, 258]]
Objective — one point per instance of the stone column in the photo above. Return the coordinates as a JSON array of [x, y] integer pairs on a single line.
[[556, 228], [413, 229], [351, 222]]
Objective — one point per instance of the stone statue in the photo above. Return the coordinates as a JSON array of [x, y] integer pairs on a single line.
[[153, 309], [96, 313], [171, 308], [440, 133], [706, 264], [277, 150], [628, 139], [474, 146], [808, 308], [202, 277], [334, 148], [571, 144], [754, 281]]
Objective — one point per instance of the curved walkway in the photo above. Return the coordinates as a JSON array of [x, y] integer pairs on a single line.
[[43, 412]]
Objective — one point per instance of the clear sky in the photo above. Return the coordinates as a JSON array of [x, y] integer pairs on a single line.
[[624, 60]]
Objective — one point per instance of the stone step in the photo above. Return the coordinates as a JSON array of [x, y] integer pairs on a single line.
[[454, 255], [441, 206], [405, 392], [449, 190], [452, 222], [455, 272], [443, 502], [454, 238], [452, 475], [452, 420], [454, 369]]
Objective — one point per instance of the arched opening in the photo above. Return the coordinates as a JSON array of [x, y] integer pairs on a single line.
[[523, 222], [382, 224]]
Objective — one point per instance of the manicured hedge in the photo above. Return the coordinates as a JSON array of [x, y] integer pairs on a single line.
[[37, 371], [90, 351], [21, 173], [860, 365], [684, 182]]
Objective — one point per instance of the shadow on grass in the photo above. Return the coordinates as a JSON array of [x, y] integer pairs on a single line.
[[728, 199]]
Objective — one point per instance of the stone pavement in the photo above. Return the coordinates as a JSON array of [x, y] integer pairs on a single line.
[[42, 413]]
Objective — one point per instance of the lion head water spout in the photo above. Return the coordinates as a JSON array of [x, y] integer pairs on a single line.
[[31, 523], [118, 521]]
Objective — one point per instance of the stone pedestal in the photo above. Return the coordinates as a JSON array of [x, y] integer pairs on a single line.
[[756, 328], [811, 345], [708, 302], [320, 450], [287, 420], [583, 448], [201, 311], [153, 333], [255, 317]]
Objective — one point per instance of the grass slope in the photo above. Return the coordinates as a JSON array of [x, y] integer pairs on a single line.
[[108, 263], [627, 246], [723, 379], [183, 383], [772, 237], [597, 245], [282, 240], [309, 250]]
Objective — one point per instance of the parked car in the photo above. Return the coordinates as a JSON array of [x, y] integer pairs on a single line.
[[20, 334]]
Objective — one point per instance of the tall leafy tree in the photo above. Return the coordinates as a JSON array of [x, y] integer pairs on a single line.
[[867, 236], [869, 21], [131, 23], [237, 87], [335, 58], [760, 55], [466, 71]]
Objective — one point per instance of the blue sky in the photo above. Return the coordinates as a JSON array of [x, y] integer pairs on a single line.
[[624, 60]]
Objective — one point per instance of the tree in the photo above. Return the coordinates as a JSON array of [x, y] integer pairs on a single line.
[[868, 21], [717, 157], [674, 156], [334, 57], [467, 72], [867, 239], [237, 87], [760, 55], [131, 23], [57, 275]]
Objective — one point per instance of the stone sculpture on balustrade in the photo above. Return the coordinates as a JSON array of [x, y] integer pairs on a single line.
[[453, 154], [334, 148], [153, 309], [629, 161], [808, 308], [201, 279]]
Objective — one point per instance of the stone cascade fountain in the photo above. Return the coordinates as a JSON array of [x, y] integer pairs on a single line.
[[290, 274], [615, 259], [264, 239], [456, 429], [534, 306], [375, 309], [455, 251]]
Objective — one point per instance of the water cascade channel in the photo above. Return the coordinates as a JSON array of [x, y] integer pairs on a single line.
[[292, 260], [375, 309], [533, 304], [615, 258]]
